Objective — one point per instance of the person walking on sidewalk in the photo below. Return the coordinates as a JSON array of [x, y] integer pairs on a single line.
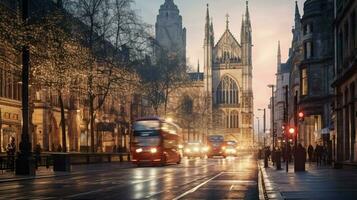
[[318, 153], [37, 152], [10, 150], [310, 152]]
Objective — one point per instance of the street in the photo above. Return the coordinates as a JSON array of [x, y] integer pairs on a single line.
[[217, 178]]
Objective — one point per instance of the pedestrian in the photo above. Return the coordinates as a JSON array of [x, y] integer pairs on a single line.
[[318, 153], [310, 151], [324, 154], [268, 152], [37, 152], [10, 150], [59, 148]]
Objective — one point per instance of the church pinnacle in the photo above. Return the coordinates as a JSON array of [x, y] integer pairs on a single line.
[[227, 21]]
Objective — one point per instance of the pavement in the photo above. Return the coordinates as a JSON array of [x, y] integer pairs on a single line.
[[321, 182], [217, 178], [43, 172]]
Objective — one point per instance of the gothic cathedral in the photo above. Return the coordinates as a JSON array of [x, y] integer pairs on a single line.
[[228, 81]]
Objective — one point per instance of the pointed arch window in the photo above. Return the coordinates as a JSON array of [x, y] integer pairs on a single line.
[[227, 91], [234, 119]]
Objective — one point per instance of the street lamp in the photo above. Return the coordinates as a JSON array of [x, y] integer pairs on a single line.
[[258, 129], [272, 114], [264, 123]]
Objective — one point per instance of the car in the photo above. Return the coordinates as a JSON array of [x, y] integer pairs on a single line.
[[230, 148], [194, 149]]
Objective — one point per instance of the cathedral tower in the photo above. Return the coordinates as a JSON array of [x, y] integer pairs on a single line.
[[170, 34]]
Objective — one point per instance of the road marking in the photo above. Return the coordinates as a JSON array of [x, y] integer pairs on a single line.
[[198, 186]]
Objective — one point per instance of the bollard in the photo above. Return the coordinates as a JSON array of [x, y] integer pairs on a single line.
[[278, 160]]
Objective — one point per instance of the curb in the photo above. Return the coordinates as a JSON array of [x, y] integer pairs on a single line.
[[263, 195]]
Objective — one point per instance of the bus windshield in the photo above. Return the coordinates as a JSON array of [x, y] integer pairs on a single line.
[[147, 125], [147, 141], [216, 138]]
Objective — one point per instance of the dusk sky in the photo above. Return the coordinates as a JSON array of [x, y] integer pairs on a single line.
[[272, 20]]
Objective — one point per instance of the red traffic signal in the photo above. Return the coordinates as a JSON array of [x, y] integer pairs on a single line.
[[291, 130], [301, 116]]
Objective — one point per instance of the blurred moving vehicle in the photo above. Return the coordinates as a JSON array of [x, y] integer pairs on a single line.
[[195, 149], [230, 148], [216, 146], [155, 141]]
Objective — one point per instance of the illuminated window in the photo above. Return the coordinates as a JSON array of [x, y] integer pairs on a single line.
[[227, 91], [304, 82]]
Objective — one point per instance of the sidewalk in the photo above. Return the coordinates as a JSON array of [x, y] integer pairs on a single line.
[[43, 172], [316, 183]]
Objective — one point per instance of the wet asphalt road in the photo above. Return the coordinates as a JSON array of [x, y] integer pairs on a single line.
[[217, 178]]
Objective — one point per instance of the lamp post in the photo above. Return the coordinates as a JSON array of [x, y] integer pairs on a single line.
[[272, 113], [258, 119], [24, 162], [264, 123]]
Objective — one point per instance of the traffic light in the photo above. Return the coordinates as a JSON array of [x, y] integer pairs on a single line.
[[301, 116], [292, 130]]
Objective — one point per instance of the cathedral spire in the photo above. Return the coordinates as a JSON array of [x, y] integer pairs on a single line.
[[297, 12], [247, 16], [227, 21], [207, 26], [279, 57], [198, 66], [211, 31]]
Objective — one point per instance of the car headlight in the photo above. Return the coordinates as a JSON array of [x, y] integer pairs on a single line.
[[188, 150], [224, 148], [139, 150], [180, 146], [196, 149], [153, 150], [205, 148]]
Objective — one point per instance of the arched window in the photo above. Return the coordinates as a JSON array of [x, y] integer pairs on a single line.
[[227, 91], [187, 105], [234, 119]]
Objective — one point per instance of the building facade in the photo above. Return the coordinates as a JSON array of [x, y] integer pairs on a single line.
[[345, 81], [316, 72], [281, 94], [228, 81]]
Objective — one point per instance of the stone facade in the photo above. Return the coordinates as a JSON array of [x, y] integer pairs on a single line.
[[228, 81], [168, 30], [316, 71], [345, 116]]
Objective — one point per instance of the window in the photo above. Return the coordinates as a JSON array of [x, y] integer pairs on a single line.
[[304, 81], [353, 30], [187, 105], [234, 119], [308, 50], [227, 91], [346, 37], [307, 29]]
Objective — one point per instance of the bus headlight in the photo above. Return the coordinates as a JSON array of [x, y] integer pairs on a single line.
[[205, 148], [153, 150], [139, 150]]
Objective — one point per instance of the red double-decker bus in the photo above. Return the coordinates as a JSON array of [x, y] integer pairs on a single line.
[[155, 141]]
